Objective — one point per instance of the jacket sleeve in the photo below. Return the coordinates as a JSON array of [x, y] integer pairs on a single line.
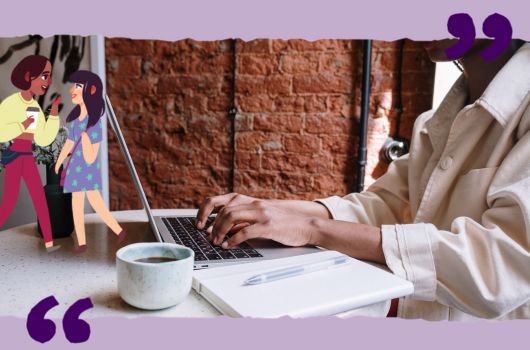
[[46, 130], [8, 129], [385, 202], [481, 268]]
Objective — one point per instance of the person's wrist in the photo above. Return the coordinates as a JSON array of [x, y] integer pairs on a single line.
[[315, 229], [322, 210]]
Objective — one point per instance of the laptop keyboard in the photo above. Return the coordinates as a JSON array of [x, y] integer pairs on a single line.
[[184, 232]]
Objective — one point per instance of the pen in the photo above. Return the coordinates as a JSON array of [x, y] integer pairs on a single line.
[[295, 270]]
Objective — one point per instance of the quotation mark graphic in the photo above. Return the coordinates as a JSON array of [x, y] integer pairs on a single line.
[[43, 330], [496, 26]]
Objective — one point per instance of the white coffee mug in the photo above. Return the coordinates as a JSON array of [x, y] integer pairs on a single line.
[[154, 286]]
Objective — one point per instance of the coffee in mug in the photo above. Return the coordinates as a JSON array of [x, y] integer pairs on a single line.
[[156, 259]]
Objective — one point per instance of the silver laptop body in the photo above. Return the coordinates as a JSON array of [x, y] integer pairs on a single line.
[[169, 228]]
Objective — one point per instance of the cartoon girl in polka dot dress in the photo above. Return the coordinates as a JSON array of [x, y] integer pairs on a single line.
[[83, 173]]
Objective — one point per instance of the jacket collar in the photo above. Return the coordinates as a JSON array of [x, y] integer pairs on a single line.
[[439, 124], [507, 90], [503, 95]]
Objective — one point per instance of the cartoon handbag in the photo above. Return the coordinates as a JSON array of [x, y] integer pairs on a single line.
[[9, 156], [65, 169]]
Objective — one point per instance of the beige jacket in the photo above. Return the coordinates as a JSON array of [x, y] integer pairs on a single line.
[[455, 212]]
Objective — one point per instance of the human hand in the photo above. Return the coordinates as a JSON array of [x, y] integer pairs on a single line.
[[260, 219], [57, 167], [214, 204], [28, 122], [55, 106]]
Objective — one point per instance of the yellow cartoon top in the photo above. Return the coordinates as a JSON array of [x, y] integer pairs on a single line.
[[13, 113]]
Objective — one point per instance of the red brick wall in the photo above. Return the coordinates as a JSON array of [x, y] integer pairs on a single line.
[[298, 110]]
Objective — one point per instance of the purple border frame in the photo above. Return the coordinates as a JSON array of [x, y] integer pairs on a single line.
[[246, 19], [249, 19]]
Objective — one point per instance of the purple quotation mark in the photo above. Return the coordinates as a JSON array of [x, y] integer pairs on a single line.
[[496, 26], [76, 330], [43, 330], [461, 26], [39, 328], [499, 28]]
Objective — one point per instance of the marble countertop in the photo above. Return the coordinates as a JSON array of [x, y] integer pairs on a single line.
[[29, 274]]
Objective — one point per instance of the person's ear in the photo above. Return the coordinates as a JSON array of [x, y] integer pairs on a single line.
[[92, 90], [27, 76]]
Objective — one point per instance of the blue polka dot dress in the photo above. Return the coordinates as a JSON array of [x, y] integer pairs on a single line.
[[80, 176]]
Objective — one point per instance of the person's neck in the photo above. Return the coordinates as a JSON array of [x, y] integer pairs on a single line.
[[27, 95], [83, 112], [479, 73]]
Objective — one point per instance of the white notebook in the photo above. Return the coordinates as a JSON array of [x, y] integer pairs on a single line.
[[321, 293]]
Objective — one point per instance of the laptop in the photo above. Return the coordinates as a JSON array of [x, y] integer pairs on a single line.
[[181, 229]]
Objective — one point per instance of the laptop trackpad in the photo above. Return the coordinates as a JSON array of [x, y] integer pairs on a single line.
[[260, 243], [271, 249]]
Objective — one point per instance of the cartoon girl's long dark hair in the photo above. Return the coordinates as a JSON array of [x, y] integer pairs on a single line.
[[94, 102]]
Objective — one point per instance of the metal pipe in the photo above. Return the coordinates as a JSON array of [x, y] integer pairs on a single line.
[[232, 113], [365, 104], [399, 98]]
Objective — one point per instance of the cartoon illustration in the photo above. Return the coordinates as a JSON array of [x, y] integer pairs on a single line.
[[22, 122], [82, 175]]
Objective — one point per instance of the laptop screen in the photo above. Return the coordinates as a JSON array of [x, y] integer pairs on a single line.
[[130, 164]]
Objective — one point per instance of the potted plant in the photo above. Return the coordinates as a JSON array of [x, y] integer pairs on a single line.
[[59, 203]]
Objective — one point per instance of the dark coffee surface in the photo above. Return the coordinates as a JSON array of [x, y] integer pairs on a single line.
[[156, 259]]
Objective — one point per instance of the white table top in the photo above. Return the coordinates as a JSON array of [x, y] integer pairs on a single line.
[[29, 274]]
